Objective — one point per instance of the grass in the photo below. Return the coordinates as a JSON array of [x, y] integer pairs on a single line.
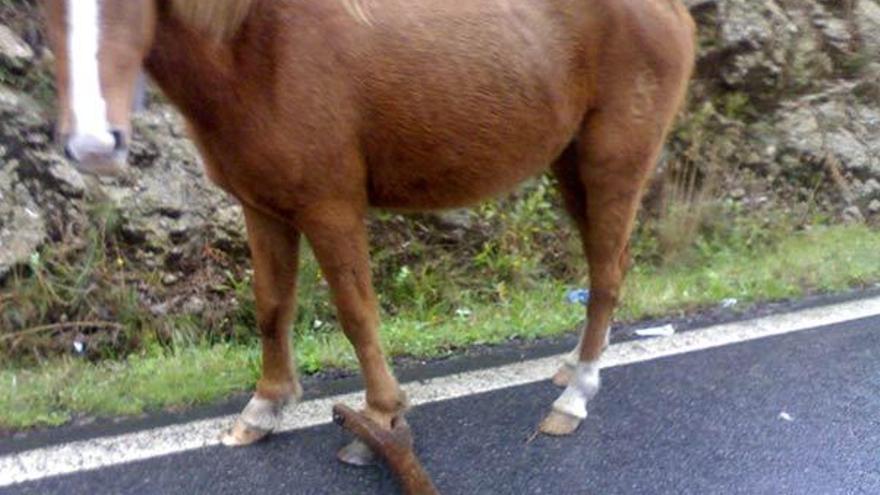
[[826, 259], [821, 259]]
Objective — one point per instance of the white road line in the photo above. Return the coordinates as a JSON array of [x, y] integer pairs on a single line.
[[109, 451]]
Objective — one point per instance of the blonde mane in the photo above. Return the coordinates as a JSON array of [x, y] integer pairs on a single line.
[[216, 18]]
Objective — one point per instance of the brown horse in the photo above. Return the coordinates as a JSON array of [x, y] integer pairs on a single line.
[[312, 111]]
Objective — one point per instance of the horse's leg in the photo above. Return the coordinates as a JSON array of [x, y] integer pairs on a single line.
[[338, 236], [568, 181], [569, 362], [610, 167], [275, 254]]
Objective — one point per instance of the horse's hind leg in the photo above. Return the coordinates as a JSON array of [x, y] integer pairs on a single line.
[[337, 233], [602, 179], [275, 253]]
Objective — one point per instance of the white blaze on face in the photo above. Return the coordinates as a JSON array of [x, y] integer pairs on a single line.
[[91, 132]]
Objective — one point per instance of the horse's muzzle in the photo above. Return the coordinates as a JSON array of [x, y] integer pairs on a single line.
[[98, 154]]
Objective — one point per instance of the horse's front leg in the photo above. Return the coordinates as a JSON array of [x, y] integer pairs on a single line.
[[275, 253], [337, 232]]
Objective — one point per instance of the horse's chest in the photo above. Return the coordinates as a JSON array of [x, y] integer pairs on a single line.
[[241, 173]]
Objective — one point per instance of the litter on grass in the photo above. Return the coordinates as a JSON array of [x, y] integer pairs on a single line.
[[578, 296], [664, 331]]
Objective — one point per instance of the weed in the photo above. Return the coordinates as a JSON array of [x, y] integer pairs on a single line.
[[689, 187]]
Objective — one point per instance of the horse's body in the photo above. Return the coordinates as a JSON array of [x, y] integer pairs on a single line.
[[312, 111], [421, 105]]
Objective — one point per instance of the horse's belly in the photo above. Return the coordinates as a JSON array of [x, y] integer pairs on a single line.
[[437, 182], [451, 119], [431, 143]]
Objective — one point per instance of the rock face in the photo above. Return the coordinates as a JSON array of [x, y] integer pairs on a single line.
[[790, 92], [166, 204], [166, 209], [795, 94], [22, 219], [14, 53]]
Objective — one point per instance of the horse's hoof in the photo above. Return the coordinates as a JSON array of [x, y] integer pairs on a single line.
[[559, 424], [357, 453], [242, 434], [259, 418], [563, 376]]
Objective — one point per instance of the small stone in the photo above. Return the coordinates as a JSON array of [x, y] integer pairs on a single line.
[[853, 214], [871, 188], [738, 193], [194, 306], [159, 309], [67, 179], [23, 228], [455, 219], [463, 312], [874, 207], [14, 52], [170, 279], [79, 346]]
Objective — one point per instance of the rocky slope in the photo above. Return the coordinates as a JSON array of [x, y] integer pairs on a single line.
[[796, 89]]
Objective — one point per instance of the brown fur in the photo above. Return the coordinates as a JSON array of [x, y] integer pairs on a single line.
[[319, 110]]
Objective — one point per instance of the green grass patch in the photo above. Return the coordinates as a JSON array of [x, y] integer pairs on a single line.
[[826, 259], [162, 377]]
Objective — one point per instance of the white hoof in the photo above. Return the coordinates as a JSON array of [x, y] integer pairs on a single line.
[[559, 424], [242, 434], [357, 453], [258, 419], [570, 409]]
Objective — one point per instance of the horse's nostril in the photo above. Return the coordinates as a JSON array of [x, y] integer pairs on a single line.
[[119, 143], [68, 153]]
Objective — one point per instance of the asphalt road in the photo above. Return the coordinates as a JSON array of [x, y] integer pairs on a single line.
[[797, 413]]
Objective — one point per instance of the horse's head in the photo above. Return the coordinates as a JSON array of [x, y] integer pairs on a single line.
[[99, 46]]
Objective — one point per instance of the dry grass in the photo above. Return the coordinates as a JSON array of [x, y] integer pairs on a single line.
[[689, 189]]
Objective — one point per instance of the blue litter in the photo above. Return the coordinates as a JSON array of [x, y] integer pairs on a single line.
[[578, 296]]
